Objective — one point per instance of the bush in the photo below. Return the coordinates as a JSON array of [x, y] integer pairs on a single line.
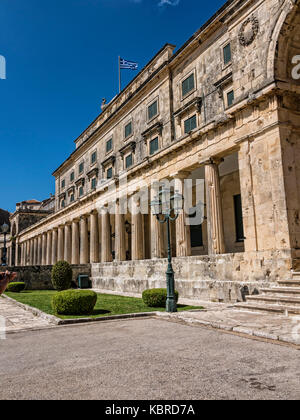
[[157, 298], [74, 302], [61, 276], [15, 287]]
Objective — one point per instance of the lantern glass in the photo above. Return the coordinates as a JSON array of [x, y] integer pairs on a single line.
[[177, 200], [165, 200], [155, 206], [4, 228]]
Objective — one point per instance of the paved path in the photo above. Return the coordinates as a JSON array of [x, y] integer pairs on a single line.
[[144, 359], [17, 319]]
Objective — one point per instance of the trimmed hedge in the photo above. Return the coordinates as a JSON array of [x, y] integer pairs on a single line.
[[15, 287], [74, 302], [61, 276], [157, 298]]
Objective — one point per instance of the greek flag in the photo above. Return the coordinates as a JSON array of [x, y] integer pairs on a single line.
[[125, 64]]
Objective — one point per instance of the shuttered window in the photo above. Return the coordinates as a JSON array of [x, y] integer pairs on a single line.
[[109, 173], [72, 176], [152, 110], [153, 146], [94, 157], [128, 161], [238, 212], [80, 191], [230, 98], [128, 130], [190, 124], [188, 85], [108, 145], [227, 54], [81, 167], [94, 183]]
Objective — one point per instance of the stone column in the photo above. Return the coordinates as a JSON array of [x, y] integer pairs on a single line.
[[137, 233], [54, 246], [44, 249], [39, 251], [60, 246], [183, 231], [49, 248], [106, 255], [120, 239], [158, 237], [215, 230], [31, 259], [35, 250], [84, 241], [75, 243], [25, 253], [68, 244], [94, 238]]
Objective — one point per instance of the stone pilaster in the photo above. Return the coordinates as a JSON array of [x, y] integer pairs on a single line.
[[84, 241], [94, 238], [49, 248], [215, 229], [183, 231], [54, 246], [106, 255], [68, 243], [75, 242], [120, 238]]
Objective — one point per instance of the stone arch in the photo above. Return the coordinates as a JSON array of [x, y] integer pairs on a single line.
[[280, 52]]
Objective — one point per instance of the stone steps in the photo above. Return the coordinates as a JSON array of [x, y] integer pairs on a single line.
[[278, 300], [276, 309], [282, 291], [293, 282]]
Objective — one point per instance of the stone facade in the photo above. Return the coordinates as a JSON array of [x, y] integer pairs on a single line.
[[223, 109]]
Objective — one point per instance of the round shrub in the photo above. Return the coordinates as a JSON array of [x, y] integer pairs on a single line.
[[74, 302], [156, 298], [15, 287], [61, 276]]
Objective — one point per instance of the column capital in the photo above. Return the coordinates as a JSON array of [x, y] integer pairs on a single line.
[[181, 175], [214, 161]]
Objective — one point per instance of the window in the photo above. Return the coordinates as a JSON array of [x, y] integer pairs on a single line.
[[109, 173], [81, 167], [72, 198], [227, 53], [238, 213], [80, 191], [63, 183], [188, 85], [128, 130], [94, 183], [152, 110], [230, 98], [108, 145], [72, 176], [94, 157], [128, 161], [153, 146], [63, 204], [190, 124]]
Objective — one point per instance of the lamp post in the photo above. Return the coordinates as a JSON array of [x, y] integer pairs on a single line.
[[162, 207], [4, 229]]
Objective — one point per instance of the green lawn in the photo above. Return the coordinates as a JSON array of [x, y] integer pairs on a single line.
[[106, 304]]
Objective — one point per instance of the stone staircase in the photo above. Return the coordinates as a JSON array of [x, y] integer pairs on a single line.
[[283, 299]]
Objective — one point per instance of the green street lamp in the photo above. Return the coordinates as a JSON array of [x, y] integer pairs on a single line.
[[4, 230], [163, 207]]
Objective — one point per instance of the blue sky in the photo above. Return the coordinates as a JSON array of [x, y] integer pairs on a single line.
[[61, 58]]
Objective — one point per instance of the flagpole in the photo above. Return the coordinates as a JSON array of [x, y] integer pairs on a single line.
[[119, 74]]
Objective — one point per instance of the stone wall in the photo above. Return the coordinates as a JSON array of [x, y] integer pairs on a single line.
[[39, 277], [222, 278]]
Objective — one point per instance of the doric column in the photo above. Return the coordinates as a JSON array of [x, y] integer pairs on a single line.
[[75, 243], [84, 241], [68, 244], [35, 250], [20, 262], [54, 246], [183, 231], [25, 253], [31, 259], [49, 248], [137, 233], [39, 250], [120, 239], [106, 255], [60, 246], [44, 249], [215, 230], [158, 238], [94, 238]]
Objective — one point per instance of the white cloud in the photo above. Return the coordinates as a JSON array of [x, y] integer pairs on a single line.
[[169, 2]]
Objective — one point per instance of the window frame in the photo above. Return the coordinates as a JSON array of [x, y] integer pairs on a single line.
[[189, 119], [155, 101], [80, 189], [158, 145], [81, 171], [185, 78], [131, 133], [226, 63], [229, 91], [92, 181], [63, 184], [112, 172], [111, 149], [72, 176], [125, 160], [94, 153]]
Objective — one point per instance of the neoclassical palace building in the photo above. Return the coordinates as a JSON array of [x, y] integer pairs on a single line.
[[225, 109]]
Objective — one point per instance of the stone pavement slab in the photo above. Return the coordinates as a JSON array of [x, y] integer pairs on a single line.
[[268, 326], [18, 319]]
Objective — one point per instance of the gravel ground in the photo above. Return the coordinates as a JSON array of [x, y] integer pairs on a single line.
[[144, 359]]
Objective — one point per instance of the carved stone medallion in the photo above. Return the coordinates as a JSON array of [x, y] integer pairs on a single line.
[[248, 31]]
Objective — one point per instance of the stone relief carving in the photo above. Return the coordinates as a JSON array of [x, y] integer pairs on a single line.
[[248, 31]]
